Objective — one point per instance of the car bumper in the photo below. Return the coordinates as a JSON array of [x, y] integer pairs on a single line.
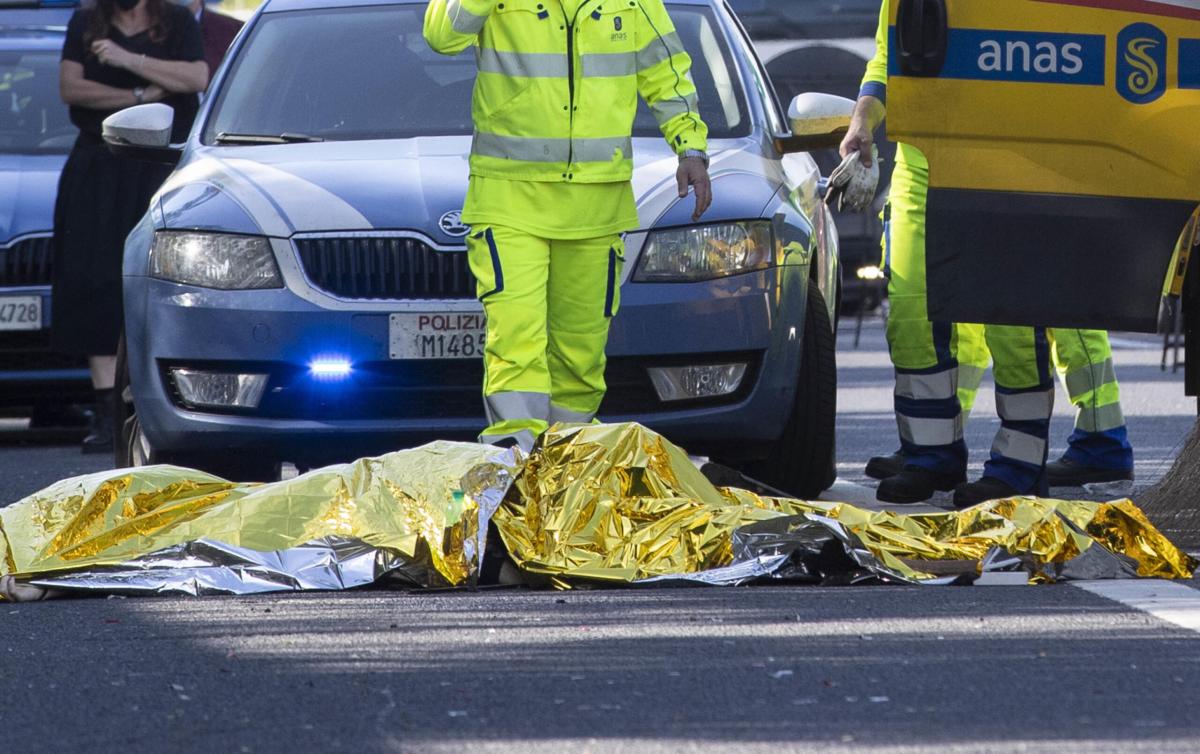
[[31, 371], [385, 404]]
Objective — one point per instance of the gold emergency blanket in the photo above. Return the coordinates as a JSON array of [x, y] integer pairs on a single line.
[[594, 504], [183, 530], [619, 503]]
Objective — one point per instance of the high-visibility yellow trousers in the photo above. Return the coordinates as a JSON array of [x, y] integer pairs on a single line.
[[1084, 362], [548, 304], [926, 357]]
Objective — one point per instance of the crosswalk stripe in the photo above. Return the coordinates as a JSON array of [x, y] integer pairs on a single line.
[[1165, 600]]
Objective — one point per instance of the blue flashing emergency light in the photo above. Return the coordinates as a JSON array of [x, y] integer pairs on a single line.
[[330, 368]]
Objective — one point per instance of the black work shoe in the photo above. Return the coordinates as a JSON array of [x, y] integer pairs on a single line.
[[882, 467], [915, 485], [987, 488], [1065, 473]]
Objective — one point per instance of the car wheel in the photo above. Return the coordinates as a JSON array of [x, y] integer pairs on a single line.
[[802, 462], [130, 446], [133, 448]]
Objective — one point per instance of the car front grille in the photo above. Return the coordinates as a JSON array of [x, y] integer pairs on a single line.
[[385, 268], [27, 262]]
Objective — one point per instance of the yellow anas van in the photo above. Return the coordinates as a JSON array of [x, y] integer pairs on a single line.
[[1064, 145]]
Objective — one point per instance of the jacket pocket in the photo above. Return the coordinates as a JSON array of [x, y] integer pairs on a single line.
[[616, 266], [514, 25], [484, 259], [610, 29]]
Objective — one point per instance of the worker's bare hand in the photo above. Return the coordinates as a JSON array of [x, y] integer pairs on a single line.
[[858, 139], [112, 54], [694, 173]]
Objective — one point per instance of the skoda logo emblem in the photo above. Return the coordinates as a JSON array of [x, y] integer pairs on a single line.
[[452, 224]]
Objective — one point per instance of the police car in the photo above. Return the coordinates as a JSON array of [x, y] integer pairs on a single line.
[[35, 137], [299, 290]]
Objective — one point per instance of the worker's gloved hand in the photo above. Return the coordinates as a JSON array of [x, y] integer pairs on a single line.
[[693, 172], [852, 184]]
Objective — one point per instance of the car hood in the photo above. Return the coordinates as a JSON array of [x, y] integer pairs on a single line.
[[413, 184], [28, 187]]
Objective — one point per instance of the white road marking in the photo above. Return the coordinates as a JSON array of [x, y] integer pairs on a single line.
[[1168, 601]]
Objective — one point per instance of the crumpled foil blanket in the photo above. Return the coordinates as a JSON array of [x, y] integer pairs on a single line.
[[420, 515], [597, 504]]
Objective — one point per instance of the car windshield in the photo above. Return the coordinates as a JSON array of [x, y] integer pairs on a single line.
[[808, 19], [33, 119], [367, 73]]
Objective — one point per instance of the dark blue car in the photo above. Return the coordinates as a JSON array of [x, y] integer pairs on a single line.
[[299, 289], [35, 137]]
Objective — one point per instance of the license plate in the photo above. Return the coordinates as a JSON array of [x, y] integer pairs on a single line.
[[424, 335], [20, 312]]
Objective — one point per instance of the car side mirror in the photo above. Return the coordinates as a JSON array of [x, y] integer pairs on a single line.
[[819, 121], [142, 132]]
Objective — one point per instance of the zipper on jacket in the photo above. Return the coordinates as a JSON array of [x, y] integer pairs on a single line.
[[571, 86]]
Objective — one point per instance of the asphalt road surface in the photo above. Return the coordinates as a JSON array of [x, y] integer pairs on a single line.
[[1102, 667]]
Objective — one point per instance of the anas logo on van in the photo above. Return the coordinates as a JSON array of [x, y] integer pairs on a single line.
[[1030, 57], [1141, 63]]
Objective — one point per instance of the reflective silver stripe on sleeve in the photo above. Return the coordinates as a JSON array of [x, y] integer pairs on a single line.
[[603, 150], [521, 148], [524, 438], [1089, 378], [939, 386], [930, 432], [462, 20], [658, 50], [1025, 407], [566, 416], [1020, 447], [533, 65], [666, 109], [516, 405], [1100, 419], [602, 64]]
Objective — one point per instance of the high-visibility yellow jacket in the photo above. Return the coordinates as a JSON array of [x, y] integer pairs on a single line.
[[556, 96], [875, 82]]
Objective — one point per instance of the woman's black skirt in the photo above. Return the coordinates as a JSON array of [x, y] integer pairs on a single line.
[[100, 198]]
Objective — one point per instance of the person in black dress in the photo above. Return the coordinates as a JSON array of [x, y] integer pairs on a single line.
[[118, 53]]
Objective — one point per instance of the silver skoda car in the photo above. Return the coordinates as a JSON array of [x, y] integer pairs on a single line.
[[298, 291]]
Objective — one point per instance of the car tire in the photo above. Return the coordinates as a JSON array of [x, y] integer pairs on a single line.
[[127, 431], [132, 448], [802, 462]]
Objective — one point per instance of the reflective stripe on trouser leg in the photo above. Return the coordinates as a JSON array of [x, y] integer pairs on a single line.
[[583, 296], [1084, 361], [1025, 402], [973, 362], [512, 269], [928, 413]]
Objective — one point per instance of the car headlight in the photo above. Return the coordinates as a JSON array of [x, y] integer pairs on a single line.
[[214, 260], [705, 252]]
